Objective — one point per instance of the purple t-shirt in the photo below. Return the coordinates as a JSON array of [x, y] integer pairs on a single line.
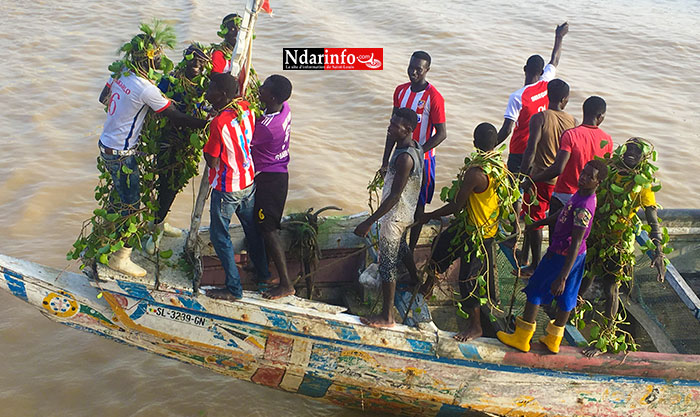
[[578, 212], [270, 144]]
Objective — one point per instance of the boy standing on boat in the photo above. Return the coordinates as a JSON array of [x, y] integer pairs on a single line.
[[578, 146], [558, 275], [611, 258], [477, 198], [128, 95], [528, 100], [270, 150], [396, 212], [424, 99], [231, 174], [546, 129]]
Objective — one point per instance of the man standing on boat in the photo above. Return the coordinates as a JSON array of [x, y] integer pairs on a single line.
[[578, 146], [270, 150], [396, 212], [546, 129], [425, 100], [231, 174], [128, 95], [627, 189], [476, 199]]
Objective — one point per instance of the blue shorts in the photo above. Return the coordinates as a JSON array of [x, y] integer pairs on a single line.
[[426, 192], [539, 291]]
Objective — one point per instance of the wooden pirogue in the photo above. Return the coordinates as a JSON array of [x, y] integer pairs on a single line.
[[319, 350]]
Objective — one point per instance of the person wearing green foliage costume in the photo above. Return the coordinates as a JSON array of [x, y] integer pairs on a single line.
[[628, 187], [131, 91], [179, 148]]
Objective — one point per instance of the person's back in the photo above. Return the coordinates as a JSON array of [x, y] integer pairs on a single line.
[[481, 206], [232, 144], [584, 143], [555, 123]]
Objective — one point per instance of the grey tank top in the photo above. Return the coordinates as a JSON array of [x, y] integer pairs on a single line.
[[405, 209]]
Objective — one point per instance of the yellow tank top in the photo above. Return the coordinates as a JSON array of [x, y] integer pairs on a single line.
[[482, 206]]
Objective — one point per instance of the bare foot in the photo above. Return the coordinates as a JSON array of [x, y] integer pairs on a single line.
[[591, 352], [278, 292], [377, 321], [469, 334], [222, 294]]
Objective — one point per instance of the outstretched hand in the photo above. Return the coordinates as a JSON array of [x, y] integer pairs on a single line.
[[659, 264], [562, 29]]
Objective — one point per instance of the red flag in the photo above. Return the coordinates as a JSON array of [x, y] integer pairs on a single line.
[[266, 6]]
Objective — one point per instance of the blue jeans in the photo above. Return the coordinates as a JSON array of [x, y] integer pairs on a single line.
[[126, 185], [223, 206]]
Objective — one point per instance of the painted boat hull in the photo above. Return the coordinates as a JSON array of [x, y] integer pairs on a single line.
[[319, 352]]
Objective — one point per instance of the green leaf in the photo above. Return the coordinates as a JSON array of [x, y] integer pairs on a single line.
[[112, 217], [617, 189], [603, 144], [100, 212], [595, 332], [640, 180], [132, 228], [126, 169], [656, 188], [166, 254], [103, 259]]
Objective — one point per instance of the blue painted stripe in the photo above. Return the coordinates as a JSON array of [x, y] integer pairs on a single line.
[[16, 285], [135, 290], [191, 303], [421, 346], [139, 311], [131, 131], [459, 362], [314, 386], [448, 410], [469, 351], [344, 331]]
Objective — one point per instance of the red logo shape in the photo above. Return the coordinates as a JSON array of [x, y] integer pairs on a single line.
[[353, 59]]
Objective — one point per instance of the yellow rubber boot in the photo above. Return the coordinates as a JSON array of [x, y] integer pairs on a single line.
[[552, 337], [522, 336]]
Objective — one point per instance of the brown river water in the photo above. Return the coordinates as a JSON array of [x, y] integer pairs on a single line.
[[641, 56]]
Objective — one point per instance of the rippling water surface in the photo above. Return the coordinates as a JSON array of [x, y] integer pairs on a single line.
[[641, 56]]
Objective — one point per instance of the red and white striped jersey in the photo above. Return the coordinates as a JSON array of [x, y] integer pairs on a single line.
[[229, 140], [525, 102], [428, 105]]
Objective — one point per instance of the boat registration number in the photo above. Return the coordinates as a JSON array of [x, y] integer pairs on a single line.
[[177, 316]]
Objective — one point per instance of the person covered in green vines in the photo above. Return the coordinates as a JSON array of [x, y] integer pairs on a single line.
[[129, 95], [627, 188], [178, 158], [470, 235], [221, 57], [395, 213], [559, 273]]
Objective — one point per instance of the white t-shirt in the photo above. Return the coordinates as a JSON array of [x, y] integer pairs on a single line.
[[128, 97]]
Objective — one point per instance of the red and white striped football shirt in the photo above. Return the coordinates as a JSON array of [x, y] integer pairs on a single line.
[[229, 140], [428, 105]]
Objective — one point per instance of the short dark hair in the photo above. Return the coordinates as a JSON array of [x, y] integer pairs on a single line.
[[225, 82], [281, 87], [594, 106], [485, 136], [534, 65], [229, 17], [408, 115], [421, 55], [557, 90], [601, 166]]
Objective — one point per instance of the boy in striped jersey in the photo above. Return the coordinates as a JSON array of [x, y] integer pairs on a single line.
[[231, 174], [424, 99]]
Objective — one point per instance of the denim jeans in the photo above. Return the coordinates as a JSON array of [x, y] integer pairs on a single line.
[[126, 185], [223, 206]]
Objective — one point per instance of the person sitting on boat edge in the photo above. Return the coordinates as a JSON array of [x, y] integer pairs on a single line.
[[617, 266], [546, 128], [477, 197], [231, 174], [402, 184], [270, 150], [126, 95], [185, 94], [424, 99], [559, 273]]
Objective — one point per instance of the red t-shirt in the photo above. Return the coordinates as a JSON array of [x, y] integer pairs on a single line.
[[219, 63], [429, 107], [229, 140], [584, 143]]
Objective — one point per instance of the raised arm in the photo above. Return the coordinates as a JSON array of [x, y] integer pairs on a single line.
[[560, 32], [404, 165], [437, 138]]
